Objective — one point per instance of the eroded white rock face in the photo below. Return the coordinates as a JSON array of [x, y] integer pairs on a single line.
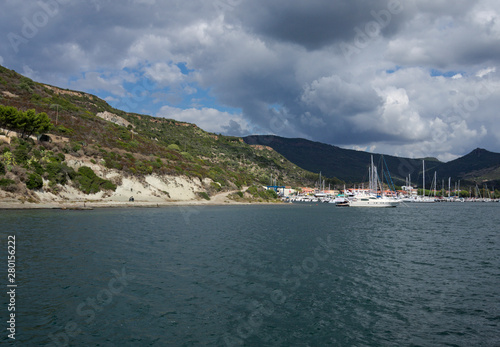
[[150, 188], [111, 117]]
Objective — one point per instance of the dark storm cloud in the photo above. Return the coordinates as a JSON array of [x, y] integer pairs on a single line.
[[317, 23]]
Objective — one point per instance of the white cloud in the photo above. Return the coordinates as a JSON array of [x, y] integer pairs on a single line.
[[96, 81], [484, 72], [165, 73], [208, 119]]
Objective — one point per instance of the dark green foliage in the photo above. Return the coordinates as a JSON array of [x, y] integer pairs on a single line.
[[64, 130], [204, 195], [215, 186], [252, 190], [36, 98], [28, 123], [2, 168], [34, 181], [58, 173], [89, 183], [268, 194], [4, 182], [8, 116], [75, 147], [37, 168], [262, 193], [21, 153]]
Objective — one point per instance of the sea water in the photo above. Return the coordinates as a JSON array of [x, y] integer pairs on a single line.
[[264, 275]]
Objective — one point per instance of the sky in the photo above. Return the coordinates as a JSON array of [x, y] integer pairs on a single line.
[[412, 78]]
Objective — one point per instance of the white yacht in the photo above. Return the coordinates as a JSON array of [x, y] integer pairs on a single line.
[[372, 200]]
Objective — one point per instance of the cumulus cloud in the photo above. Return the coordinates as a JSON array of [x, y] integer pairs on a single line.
[[208, 119], [416, 78]]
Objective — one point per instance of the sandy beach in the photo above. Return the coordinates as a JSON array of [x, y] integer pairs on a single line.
[[82, 204]]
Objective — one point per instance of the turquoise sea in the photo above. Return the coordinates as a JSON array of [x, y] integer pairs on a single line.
[[265, 275]]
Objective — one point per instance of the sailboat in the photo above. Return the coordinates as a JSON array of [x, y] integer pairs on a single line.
[[423, 198], [372, 199]]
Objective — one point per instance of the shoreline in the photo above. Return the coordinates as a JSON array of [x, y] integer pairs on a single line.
[[116, 204], [217, 200]]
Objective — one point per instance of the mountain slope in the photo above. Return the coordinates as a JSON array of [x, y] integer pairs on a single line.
[[352, 166], [479, 165], [345, 164]]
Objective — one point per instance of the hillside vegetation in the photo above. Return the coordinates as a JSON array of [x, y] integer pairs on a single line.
[[84, 126]]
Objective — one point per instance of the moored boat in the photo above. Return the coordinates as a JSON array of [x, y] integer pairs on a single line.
[[372, 199]]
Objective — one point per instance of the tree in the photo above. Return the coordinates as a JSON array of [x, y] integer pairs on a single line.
[[8, 117], [28, 123], [24, 121], [41, 124]]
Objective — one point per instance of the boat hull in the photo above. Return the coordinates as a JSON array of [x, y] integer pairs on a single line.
[[374, 204]]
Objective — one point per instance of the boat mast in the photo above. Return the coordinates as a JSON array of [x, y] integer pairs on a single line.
[[423, 178], [435, 183], [372, 186]]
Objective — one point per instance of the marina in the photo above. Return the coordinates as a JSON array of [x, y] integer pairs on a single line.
[[379, 196]]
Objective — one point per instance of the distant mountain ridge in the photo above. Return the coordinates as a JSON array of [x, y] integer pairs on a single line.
[[352, 166]]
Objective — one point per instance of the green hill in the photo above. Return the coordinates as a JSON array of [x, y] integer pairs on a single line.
[[133, 144]]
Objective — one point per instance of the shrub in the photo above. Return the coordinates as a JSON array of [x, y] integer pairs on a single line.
[[58, 172], [174, 147], [4, 182], [90, 183], [2, 168], [108, 185], [215, 186], [204, 195], [252, 190], [188, 156], [21, 154], [34, 181], [64, 130], [8, 185]]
